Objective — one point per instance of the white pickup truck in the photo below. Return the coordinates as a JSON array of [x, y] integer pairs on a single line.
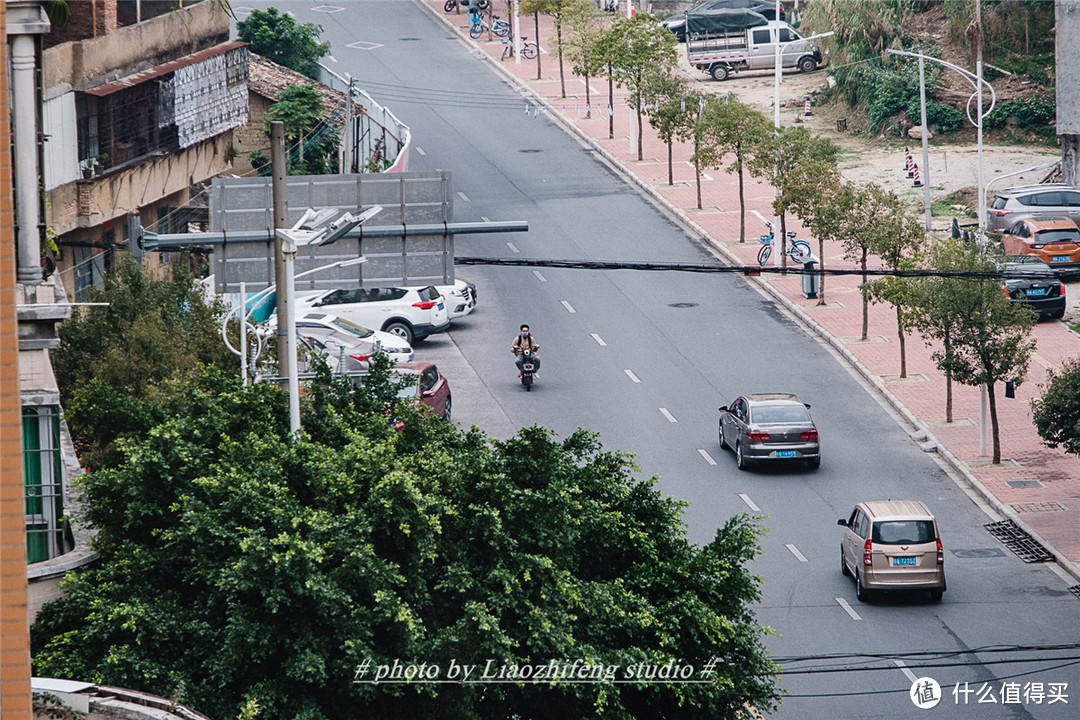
[[721, 49]]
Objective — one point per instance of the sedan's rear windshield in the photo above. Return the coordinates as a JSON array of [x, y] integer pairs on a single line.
[[903, 532], [351, 327], [787, 413], [1057, 236]]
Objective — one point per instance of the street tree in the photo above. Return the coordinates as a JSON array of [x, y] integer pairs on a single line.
[[558, 11], [935, 300], [605, 53], [641, 47], [786, 159], [276, 36], [663, 96], [991, 334], [239, 564], [586, 25], [1057, 411], [153, 335], [733, 129], [689, 129], [898, 239]]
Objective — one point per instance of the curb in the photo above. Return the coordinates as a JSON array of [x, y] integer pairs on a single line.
[[923, 437]]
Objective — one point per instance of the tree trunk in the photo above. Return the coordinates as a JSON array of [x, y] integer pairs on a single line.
[[903, 349], [742, 200], [996, 460], [948, 376], [782, 245], [821, 271], [697, 174], [611, 103], [639, 133], [865, 302], [558, 40], [536, 22], [670, 175], [588, 100]]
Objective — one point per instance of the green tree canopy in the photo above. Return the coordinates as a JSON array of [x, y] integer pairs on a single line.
[[1057, 411], [240, 565], [640, 47], [313, 143], [277, 37], [154, 335], [585, 23]]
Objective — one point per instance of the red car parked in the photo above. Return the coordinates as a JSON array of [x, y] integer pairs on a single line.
[[428, 387]]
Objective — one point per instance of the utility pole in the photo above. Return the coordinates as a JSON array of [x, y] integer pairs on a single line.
[[350, 138], [1067, 86], [285, 352]]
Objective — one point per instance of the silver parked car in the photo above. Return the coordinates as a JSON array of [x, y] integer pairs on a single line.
[[1047, 199], [769, 427]]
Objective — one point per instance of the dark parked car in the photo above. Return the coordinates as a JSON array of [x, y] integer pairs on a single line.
[[1028, 280], [677, 23], [769, 427]]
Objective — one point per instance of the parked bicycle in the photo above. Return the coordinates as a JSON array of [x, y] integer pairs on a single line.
[[797, 250], [528, 49], [452, 4], [477, 26]]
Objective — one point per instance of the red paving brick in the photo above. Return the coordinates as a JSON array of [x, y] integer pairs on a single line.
[[1052, 510]]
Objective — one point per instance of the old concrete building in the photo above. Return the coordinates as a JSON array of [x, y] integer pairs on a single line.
[[133, 116]]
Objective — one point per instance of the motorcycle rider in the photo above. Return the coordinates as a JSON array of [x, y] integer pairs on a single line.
[[525, 341]]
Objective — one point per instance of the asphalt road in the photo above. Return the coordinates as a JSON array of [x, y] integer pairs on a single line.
[[644, 359]]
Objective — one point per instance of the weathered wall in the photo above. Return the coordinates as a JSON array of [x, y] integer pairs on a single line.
[[250, 136], [87, 203], [79, 65], [1067, 52]]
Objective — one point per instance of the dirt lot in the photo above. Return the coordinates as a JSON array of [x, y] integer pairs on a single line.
[[877, 158]]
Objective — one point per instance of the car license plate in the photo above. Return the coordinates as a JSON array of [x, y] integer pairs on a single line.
[[528, 367], [786, 453], [1061, 258], [441, 306], [903, 561], [1035, 292]]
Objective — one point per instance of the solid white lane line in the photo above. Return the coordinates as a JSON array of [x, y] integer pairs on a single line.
[[513, 247], [708, 458], [568, 306], [463, 196], [420, 150], [630, 374], [599, 340], [795, 551], [847, 608], [539, 277], [749, 503], [910, 675], [669, 416]]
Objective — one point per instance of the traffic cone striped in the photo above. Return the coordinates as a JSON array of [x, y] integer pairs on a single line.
[[918, 182], [907, 159], [910, 165], [806, 109]]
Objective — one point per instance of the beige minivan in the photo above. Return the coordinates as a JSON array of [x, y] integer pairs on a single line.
[[892, 545]]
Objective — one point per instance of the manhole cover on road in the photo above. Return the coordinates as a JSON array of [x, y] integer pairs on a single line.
[[408, 39], [682, 305], [528, 150], [1020, 542]]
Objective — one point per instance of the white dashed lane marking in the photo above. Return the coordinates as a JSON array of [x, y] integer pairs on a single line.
[[847, 608], [910, 675], [708, 458], [749, 503], [795, 551], [568, 306], [669, 416], [463, 196], [420, 150], [599, 340], [539, 277], [630, 374], [513, 247]]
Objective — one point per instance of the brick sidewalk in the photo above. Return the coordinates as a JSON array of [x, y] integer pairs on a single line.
[[1036, 486]]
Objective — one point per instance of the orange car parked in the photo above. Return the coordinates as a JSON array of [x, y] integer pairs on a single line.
[[1054, 240]]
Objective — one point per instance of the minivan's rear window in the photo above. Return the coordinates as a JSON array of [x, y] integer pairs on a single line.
[[903, 532], [999, 203]]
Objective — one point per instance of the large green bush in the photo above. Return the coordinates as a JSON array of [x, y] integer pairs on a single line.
[[944, 117]]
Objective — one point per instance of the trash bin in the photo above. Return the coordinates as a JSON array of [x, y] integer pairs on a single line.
[[811, 281]]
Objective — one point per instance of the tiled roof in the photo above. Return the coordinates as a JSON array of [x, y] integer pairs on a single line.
[[268, 79]]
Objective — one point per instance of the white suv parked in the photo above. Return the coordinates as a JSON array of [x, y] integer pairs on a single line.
[[410, 313]]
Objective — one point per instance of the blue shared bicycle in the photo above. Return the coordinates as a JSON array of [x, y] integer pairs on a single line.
[[797, 250]]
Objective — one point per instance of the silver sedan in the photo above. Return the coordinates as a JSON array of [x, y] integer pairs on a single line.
[[768, 427]]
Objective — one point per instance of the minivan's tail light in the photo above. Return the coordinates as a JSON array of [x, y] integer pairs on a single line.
[[425, 304], [867, 557], [757, 436], [1061, 288], [940, 553], [361, 357], [809, 435]]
